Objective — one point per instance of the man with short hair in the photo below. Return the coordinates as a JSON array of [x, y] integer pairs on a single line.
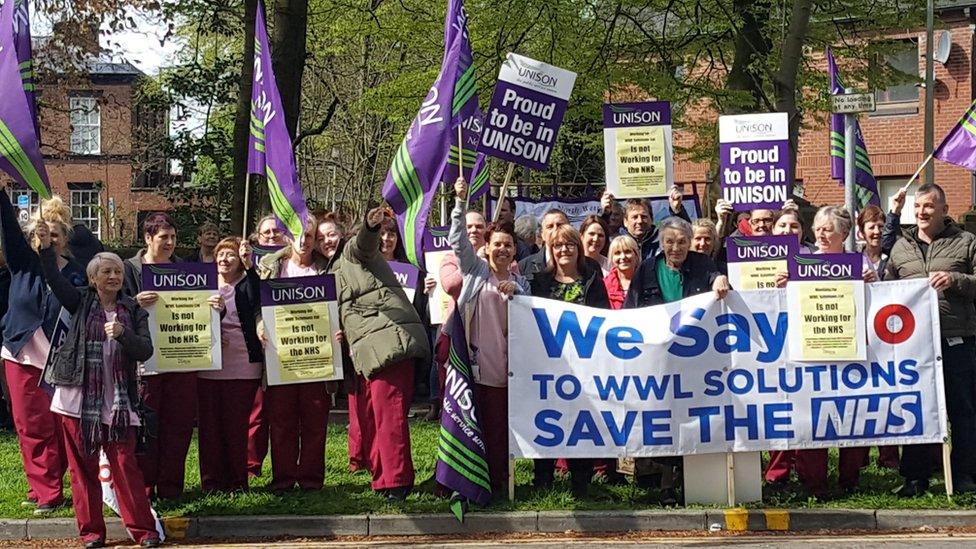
[[639, 222], [939, 250], [506, 210]]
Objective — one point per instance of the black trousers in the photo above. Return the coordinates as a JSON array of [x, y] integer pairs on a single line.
[[959, 371], [580, 471]]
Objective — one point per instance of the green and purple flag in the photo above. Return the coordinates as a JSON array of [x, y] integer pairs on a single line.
[[959, 145], [20, 143], [269, 147], [462, 464], [865, 184], [25, 55], [422, 158]]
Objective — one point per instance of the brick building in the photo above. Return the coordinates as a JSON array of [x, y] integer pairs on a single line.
[[894, 134], [99, 147]]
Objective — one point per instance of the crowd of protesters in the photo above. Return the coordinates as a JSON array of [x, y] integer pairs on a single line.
[[89, 392]]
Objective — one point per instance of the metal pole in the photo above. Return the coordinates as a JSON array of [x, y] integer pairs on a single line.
[[849, 152], [929, 88], [443, 205], [247, 199]]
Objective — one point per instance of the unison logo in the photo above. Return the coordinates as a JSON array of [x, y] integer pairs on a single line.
[[629, 115], [166, 277], [820, 268], [754, 127], [751, 249], [292, 291], [534, 75]]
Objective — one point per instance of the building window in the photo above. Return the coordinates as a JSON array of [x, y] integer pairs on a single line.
[[86, 206], [902, 60], [86, 123], [888, 188], [30, 198]]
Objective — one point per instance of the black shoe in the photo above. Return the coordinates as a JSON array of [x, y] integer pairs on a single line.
[[912, 488], [964, 486], [669, 497], [151, 542], [94, 544], [397, 494], [434, 414], [45, 509]]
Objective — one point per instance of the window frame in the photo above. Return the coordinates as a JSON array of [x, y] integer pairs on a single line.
[[88, 143], [93, 207]]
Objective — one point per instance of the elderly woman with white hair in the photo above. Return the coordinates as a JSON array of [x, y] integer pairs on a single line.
[[831, 225], [676, 272], [95, 394]]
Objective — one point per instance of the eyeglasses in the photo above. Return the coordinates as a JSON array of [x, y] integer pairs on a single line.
[[564, 246]]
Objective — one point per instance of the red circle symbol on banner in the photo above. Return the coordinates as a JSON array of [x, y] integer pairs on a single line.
[[894, 324]]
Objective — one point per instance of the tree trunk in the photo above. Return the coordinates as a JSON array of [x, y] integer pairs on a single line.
[[751, 47], [288, 56], [242, 122], [784, 83]]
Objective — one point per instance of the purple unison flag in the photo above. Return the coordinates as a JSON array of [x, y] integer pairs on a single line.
[[842, 266], [464, 108], [25, 55], [461, 457], [269, 149], [20, 144], [959, 145], [866, 186], [418, 164]]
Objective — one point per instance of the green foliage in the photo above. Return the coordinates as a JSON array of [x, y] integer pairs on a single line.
[[371, 62]]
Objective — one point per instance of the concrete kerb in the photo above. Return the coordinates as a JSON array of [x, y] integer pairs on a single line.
[[736, 519]]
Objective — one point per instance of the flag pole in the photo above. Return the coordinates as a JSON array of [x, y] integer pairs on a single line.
[[918, 171], [504, 191], [247, 196]]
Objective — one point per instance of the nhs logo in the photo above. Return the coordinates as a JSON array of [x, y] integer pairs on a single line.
[[867, 416]]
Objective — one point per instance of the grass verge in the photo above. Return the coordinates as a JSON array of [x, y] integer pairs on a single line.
[[349, 493]]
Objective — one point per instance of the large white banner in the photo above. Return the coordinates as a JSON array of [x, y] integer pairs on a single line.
[[701, 376]]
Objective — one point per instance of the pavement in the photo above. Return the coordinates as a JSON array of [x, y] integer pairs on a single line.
[[735, 520]]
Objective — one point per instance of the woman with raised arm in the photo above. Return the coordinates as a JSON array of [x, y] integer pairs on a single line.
[[94, 378], [28, 327], [483, 304]]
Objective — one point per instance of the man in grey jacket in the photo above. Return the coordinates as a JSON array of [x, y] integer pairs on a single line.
[[939, 250]]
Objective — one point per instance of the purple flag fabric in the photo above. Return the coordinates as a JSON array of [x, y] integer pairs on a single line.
[[20, 144], [959, 145], [25, 55], [462, 464], [269, 148], [866, 186], [421, 159]]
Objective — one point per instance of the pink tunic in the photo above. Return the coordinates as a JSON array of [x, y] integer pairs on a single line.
[[235, 362], [489, 335], [34, 353]]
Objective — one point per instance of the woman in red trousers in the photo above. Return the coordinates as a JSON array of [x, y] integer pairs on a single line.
[[268, 234], [172, 396], [297, 414], [483, 304], [27, 331], [94, 376], [227, 395], [385, 337]]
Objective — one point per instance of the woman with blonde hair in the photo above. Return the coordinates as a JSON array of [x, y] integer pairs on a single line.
[[28, 328], [624, 259]]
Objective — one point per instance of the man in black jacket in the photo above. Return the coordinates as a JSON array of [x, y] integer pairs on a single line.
[[638, 219]]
